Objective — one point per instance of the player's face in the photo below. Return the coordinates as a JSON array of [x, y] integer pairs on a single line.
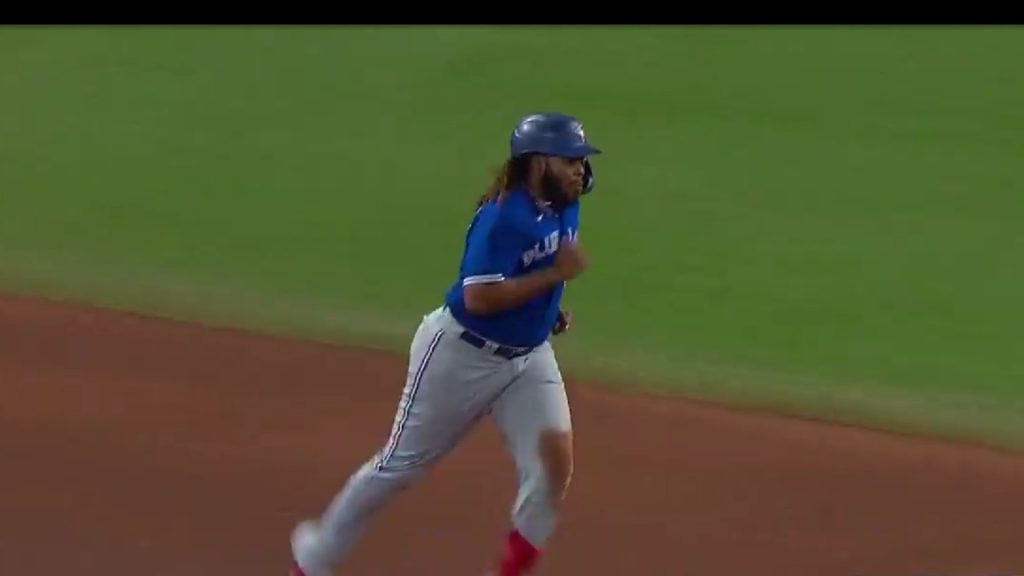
[[567, 173]]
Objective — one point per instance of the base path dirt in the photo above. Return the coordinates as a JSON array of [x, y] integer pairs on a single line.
[[133, 446]]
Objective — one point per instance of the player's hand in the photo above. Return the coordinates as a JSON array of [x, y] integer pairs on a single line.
[[563, 323], [570, 261]]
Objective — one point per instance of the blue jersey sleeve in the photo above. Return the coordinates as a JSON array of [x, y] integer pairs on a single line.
[[493, 246], [570, 221]]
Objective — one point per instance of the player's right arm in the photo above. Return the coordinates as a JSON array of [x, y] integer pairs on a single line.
[[498, 296], [491, 258]]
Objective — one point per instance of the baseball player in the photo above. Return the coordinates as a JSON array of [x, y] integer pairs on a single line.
[[486, 351]]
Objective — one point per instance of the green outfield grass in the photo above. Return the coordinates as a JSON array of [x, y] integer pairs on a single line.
[[825, 220]]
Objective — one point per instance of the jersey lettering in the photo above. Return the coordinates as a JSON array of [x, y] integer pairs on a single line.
[[537, 252]]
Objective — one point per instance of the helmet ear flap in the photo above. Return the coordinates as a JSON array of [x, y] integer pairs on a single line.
[[588, 176]]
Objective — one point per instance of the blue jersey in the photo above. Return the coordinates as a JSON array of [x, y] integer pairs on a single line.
[[506, 239]]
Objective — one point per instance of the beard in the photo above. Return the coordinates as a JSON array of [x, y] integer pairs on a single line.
[[553, 191]]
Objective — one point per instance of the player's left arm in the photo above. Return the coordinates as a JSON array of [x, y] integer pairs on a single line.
[[563, 323]]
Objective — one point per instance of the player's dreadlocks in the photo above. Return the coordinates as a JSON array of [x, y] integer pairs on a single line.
[[514, 172]]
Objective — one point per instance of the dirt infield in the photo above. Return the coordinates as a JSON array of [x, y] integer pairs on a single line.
[[135, 446]]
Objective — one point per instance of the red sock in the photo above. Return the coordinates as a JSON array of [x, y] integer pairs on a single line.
[[520, 555]]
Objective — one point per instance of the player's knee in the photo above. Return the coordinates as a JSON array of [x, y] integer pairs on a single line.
[[556, 455]]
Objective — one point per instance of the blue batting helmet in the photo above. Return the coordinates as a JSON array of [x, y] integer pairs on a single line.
[[554, 134]]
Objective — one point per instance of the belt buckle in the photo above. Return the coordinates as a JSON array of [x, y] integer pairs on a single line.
[[515, 352], [493, 347]]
